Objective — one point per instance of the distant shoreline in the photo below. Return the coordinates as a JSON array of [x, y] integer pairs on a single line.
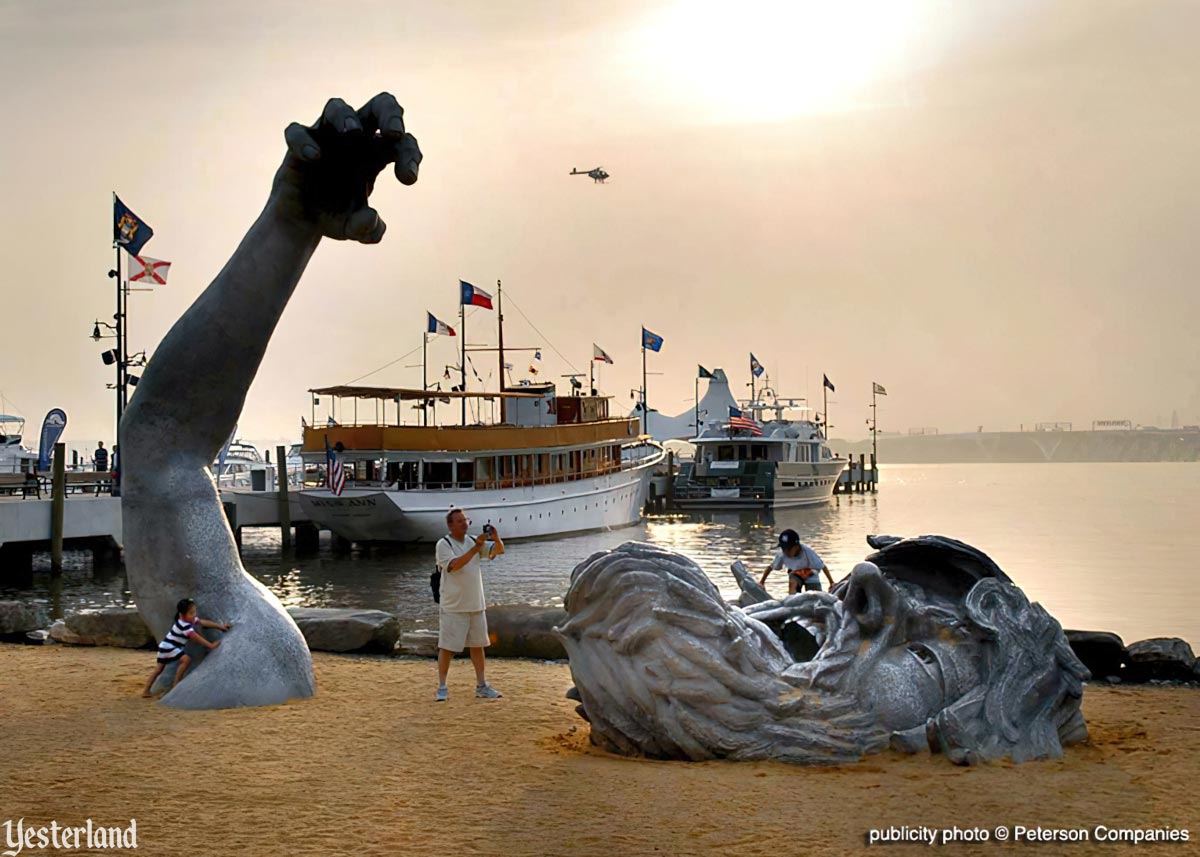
[[1032, 447]]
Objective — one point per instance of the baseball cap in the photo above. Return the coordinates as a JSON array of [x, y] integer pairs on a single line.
[[789, 539]]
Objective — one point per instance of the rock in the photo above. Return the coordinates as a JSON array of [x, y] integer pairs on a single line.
[[420, 644], [1113, 679], [60, 634], [347, 630], [115, 626], [1101, 652], [523, 631], [18, 617], [1161, 658]]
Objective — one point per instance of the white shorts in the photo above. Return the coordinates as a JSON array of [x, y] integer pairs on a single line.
[[458, 631]]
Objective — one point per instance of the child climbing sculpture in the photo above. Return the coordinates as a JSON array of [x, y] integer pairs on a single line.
[[190, 396]]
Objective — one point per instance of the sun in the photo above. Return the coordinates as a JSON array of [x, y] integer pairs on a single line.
[[763, 60]]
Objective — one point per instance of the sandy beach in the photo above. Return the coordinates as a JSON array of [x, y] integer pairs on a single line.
[[373, 766]]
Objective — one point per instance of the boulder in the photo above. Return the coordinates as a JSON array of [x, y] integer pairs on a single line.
[[1103, 653], [346, 630], [114, 626], [420, 644], [523, 631], [60, 634], [1162, 659], [19, 617]]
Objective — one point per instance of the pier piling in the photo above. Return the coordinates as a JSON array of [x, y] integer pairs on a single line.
[[57, 497], [285, 520]]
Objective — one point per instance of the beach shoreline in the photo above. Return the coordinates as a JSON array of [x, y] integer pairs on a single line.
[[372, 765]]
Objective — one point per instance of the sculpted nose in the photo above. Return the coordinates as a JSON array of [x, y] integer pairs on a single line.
[[871, 599]]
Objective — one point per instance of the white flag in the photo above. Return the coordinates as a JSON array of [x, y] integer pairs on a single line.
[[600, 354], [143, 269], [878, 389]]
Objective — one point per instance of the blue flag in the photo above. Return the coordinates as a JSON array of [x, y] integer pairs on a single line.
[[651, 340], [755, 367], [828, 383], [52, 429], [129, 230], [704, 373]]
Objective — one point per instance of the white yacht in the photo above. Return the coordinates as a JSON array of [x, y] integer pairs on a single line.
[[771, 455], [14, 457], [551, 465]]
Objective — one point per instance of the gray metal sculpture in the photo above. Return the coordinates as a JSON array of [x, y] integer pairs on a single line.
[[177, 541], [927, 644]]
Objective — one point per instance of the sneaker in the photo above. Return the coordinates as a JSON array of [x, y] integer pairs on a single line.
[[486, 691], [443, 693]]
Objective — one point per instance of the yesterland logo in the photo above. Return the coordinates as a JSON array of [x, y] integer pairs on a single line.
[[18, 837]]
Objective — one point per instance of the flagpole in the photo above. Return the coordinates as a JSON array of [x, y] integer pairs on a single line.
[[696, 411], [424, 377], [752, 384], [645, 409], [463, 358], [874, 425], [500, 342], [825, 405], [592, 375]]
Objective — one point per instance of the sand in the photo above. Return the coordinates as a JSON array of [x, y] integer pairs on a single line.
[[373, 766]]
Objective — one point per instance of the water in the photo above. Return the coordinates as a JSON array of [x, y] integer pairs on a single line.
[[1102, 546]]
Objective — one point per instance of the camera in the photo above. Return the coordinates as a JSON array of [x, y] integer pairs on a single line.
[[487, 529]]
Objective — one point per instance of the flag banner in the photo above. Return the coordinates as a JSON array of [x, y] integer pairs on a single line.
[[435, 326], [474, 296], [828, 384], [651, 340], [335, 472], [704, 373], [52, 429], [600, 354], [756, 368], [738, 420], [878, 389], [129, 230], [143, 269]]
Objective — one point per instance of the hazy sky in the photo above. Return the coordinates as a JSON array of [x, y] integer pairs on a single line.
[[988, 207]]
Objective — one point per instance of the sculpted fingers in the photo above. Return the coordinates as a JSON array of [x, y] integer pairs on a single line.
[[301, 143], [339, 116], [384, 114], [408, 159], [365, 226]]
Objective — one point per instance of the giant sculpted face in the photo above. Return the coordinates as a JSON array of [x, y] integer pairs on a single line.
[[926, 644]]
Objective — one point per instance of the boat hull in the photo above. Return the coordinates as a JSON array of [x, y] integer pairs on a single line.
[[376, 515], [794, 486]]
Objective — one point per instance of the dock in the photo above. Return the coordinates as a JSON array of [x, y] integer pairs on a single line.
[[858, 477]]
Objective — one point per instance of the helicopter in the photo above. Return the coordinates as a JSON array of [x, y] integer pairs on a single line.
[[597, 175]]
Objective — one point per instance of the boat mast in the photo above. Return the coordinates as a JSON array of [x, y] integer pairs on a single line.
[[500, 326]]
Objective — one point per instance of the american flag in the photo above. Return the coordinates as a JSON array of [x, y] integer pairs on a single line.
[[335, 473], [737, 420]]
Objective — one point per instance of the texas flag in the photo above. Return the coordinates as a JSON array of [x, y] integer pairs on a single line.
[[435, 326], [600, 354], [143, 269], [474, 296]]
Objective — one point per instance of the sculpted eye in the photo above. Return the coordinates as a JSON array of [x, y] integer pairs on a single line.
[[930, 663], [922, 652]]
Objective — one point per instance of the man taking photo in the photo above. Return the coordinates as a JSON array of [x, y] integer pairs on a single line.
[[462, 619]]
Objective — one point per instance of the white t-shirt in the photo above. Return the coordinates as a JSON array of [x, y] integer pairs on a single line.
[[462, 590], [806, 559]]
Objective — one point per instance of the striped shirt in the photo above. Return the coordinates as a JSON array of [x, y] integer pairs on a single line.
[[173, 644]]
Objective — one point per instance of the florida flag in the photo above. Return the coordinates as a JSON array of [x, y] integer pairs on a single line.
[[474, 296], [600, 354], [143, 269], [435, 326]]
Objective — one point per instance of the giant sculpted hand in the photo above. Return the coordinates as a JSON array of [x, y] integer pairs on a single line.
[[177, 539], [331, 166]]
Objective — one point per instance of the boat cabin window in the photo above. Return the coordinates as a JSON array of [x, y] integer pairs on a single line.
[[485, 472], [464, 474], [725, 453], [438, 474], [759, 452]]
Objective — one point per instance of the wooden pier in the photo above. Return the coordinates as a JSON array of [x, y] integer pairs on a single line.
[[858, 478]]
